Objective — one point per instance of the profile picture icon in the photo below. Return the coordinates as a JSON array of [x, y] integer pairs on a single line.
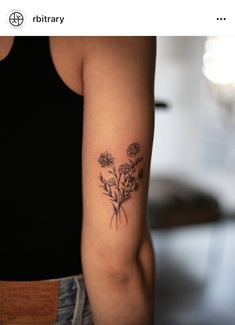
[[16, 18]]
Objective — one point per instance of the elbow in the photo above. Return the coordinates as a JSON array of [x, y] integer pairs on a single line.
[[137, 267], [122, 274]]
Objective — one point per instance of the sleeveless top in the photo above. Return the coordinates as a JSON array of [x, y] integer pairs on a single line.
[[41, 122]]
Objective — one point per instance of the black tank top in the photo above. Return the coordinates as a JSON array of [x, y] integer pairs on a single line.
[[41, 123]]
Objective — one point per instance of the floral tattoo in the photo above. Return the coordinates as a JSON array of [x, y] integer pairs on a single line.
[[123, 181]]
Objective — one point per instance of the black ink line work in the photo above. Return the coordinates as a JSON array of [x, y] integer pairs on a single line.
[[122, 181]]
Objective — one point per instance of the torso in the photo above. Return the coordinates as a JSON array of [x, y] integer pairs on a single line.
[[67, 55], [41, 128]]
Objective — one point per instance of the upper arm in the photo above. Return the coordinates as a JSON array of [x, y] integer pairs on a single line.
[[118, 78]]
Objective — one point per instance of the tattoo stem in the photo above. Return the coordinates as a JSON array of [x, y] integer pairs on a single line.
[[124, 214], [117, 180]]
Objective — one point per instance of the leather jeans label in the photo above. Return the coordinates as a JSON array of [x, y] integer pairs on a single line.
[[28, 302]]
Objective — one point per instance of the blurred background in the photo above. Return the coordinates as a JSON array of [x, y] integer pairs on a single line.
[[192, 185]]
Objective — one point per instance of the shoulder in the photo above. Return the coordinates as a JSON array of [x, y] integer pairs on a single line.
[[109, 49], [118, 41], [113, 46], [118, 58], [94, 46], [105, 63]]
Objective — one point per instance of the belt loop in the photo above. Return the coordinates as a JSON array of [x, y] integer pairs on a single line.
[[80, 301]]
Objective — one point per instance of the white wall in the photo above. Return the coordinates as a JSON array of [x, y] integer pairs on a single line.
[[190, 137]]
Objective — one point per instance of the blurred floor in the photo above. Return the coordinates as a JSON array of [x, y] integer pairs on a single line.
[[195, 274]]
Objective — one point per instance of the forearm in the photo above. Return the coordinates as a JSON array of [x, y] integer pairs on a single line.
[[125, 297]]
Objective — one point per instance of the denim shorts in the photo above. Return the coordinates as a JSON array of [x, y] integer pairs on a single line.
[[73, 303]]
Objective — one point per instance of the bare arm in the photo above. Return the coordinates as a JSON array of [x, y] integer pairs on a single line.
[[117, 253]]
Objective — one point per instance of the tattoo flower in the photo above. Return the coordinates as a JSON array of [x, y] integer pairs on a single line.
[[133, 149], [111, 182], [131, 179], [124, 168], [136, 187], [123, 183], [105, 159]]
